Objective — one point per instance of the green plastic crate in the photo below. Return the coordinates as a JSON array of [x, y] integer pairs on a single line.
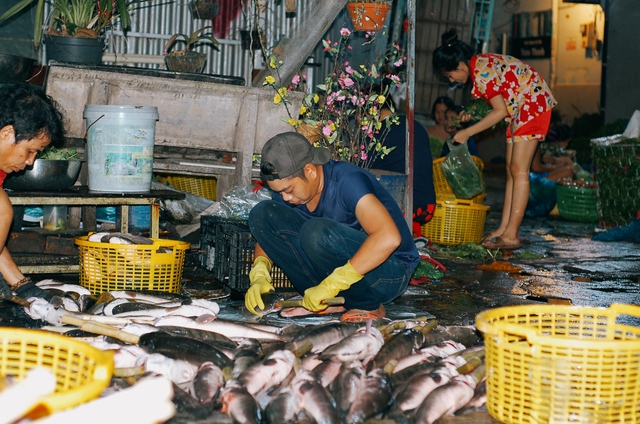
[[577, 203]]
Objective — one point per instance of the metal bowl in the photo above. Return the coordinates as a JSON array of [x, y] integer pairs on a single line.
[[15, 69], [45, 175]]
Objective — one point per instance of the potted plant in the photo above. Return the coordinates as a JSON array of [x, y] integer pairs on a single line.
[[187, 60], [204, 9], [368, 15], [76, 23], [343, 115]]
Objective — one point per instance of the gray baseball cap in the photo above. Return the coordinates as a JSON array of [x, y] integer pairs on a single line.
[[289, 152]]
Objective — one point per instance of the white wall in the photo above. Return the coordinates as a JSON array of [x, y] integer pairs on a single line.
[[578, 66]]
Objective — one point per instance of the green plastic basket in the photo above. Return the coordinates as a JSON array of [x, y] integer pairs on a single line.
[[577, 203]]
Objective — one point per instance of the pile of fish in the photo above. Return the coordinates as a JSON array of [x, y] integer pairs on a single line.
[[411, 371]]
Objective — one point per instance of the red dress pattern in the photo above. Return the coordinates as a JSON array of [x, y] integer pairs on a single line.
[[523, 89]]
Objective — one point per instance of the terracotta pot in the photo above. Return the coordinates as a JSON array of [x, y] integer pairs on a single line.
[[368, 16]]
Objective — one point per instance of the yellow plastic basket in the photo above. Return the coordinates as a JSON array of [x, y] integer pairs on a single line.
[[562, 364], [200, 186], [81, 371], [442, 187], [108, 267], [456, 222]]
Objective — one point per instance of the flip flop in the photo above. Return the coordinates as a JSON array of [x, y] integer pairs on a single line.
[[498, 243], [361, 315]]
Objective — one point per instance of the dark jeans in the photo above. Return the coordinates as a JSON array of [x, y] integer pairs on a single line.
[[308, 251]]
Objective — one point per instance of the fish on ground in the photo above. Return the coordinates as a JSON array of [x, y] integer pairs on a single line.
[[315, 399], [362, 345], [239, 404]]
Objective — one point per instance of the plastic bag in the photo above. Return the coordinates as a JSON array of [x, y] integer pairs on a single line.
[[542, 195], [461, 172], [239, 201]]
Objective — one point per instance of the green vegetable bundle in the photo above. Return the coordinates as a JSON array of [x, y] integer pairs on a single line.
[[53, 153]]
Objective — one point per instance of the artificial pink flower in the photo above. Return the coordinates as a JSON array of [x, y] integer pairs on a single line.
[[345, 32], [296, 79]]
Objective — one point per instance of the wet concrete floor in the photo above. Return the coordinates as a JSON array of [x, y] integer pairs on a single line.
[[570, 269]]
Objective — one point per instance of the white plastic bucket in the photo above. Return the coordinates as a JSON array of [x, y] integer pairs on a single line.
[[120, 147]]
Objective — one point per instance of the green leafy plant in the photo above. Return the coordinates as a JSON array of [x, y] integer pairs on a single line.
[[53, 153], [190, 41], [343, 115], [82, 18]]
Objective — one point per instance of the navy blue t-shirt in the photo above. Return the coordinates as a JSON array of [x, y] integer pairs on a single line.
[[344, 185]]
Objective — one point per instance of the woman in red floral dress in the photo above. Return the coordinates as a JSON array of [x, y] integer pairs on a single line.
[[518, 94]]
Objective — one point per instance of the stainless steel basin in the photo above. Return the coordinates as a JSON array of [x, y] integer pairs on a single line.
[[45, 175]]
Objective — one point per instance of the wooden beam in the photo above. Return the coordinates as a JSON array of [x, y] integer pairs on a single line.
[[296, 50]]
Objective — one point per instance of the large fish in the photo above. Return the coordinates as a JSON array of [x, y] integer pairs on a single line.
[[397, 378], [283, 408], [207, 383], [178, 371], [347, 386], [248, 353], [316, 401], [148, 296], [214, 339], [374, 398], [447, 399], [324, 335], [230, 329], [414, 391], [326, 372], [429, 354], [179, 347], [399, 346], [269, 372], [360, 346], [184, 402], [239, 404]]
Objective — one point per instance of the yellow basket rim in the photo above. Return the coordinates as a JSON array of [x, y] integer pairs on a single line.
[[102, 373], [483, 324], [82, 241], [461, 202]]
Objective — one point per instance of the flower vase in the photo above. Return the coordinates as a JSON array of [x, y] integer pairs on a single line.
[[368, 16]]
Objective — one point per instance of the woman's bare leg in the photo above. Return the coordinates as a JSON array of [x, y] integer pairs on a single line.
[[521, 155], [508, 194]]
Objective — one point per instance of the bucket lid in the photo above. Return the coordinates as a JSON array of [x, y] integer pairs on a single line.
[[120, 111]]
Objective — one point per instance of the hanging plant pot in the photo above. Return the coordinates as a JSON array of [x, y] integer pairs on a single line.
[[192, 62], [74, 49], [204, 9], [368, 16]]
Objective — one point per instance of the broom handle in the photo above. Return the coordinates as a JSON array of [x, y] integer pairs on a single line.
[[103, 329], [298, 302]]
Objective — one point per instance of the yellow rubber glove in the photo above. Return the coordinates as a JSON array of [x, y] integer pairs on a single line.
[[339, 280], [260, 278]]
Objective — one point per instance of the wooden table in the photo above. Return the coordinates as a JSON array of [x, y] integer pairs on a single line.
[[88, 200]]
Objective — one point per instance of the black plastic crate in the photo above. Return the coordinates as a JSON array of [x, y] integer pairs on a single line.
[[228, 248]]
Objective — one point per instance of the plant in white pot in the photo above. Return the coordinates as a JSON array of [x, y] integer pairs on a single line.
[[188, 60], [76, 20]]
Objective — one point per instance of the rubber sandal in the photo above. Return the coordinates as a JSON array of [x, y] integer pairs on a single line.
[[498, 243], [361, 315]]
